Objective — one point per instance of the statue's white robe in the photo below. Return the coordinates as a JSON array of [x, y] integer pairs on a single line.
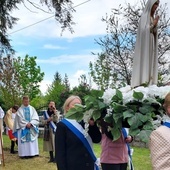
[[145, 61]]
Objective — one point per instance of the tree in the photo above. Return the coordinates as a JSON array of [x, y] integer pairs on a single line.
[[9, 83], [63, 14], [57, 91], [66, 82], [57, 77], [115, 61], [6, 22], [100, 71], [29, 74], [83, 88]]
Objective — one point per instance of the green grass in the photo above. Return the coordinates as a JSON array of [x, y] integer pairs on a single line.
[[141, 158]]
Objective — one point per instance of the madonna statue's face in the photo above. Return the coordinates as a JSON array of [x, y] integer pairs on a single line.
[[154, 7]]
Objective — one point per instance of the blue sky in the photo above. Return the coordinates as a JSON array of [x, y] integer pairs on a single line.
[[69, 53]]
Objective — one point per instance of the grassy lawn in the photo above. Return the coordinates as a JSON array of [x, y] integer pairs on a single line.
[[141, 159]]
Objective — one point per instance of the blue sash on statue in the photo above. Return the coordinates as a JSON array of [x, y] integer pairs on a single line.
[[82, 139], [51, 123], [128, 146], [167, 124]]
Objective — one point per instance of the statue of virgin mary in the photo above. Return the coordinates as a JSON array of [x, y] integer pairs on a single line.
[[145, 61]]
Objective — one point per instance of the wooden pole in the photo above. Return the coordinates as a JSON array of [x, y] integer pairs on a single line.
[[3, 160]]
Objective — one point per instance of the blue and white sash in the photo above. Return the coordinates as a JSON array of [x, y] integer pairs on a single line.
[[128, 146], [82, 139], [167, 124], [51, 123]]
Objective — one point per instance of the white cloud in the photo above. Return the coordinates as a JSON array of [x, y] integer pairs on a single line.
[[53, 47], [44, 85], [74, 80], [75, 59]]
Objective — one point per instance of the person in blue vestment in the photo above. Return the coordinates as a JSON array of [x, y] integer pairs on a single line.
[[72, 143], [26, 130]]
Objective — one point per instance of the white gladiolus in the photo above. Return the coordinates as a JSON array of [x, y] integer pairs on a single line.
[[109, 112], [87, 116]]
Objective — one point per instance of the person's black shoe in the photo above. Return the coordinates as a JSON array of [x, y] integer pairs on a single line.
[[13, 152]]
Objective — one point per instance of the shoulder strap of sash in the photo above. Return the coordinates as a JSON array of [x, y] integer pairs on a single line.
[[167, 124], [51, 123], [128, 146], [82, 139]]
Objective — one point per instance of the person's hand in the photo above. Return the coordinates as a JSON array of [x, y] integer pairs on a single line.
[[49, 119], [129, 139], [28, 125], [155, 22]]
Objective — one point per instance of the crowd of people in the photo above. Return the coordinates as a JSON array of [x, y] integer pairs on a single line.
[[65, 140], [68, 144]]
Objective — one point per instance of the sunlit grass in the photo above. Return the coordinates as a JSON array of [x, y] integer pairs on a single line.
[[141, 159]]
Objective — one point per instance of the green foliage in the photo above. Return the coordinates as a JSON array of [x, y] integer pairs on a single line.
[[57, 77], [54, 93], [66, 82], [6, 22], [82, 89], [39, 102], [29, 74], [137, 114], [78, 109], [138, 95], [9, 84], [100, 71]]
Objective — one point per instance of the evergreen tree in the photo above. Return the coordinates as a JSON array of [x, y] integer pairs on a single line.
[[66, 82], [57, 77]]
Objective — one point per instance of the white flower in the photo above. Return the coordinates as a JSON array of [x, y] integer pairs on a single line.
[[153, 91], [125, 89], [109, 112], [163, 91], [108, 94], [127, 97], [86, 117], [86, 129]]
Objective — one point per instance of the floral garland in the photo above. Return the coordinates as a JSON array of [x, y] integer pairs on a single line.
[[140, 108]]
